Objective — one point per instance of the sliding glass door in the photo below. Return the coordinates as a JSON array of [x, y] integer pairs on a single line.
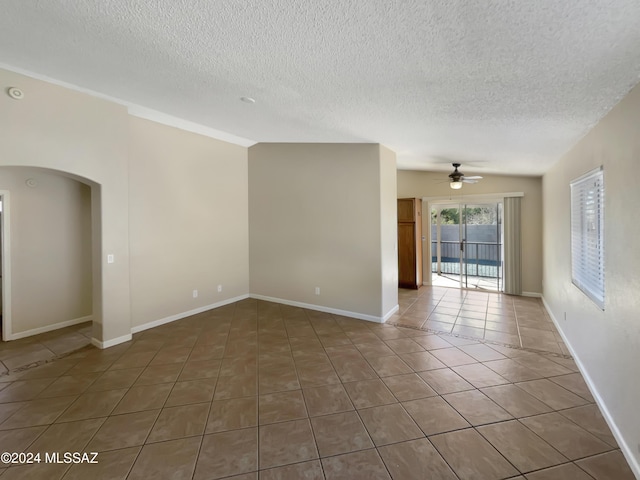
[[466, 245]]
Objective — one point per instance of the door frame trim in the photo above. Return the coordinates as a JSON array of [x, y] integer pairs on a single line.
[[5, 229]]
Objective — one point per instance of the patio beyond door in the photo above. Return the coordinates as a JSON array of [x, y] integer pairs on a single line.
[[466, 245]]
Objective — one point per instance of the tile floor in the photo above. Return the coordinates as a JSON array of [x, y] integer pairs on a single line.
[[260, 390], [490, 316]]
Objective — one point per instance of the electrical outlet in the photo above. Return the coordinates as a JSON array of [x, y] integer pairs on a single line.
[[219, 288], [195, 294], [317, 290], [111, 258]]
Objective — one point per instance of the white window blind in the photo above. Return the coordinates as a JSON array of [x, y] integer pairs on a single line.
[[587, 235]]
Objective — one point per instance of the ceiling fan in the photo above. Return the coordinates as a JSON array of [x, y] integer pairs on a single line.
[[458, 178]]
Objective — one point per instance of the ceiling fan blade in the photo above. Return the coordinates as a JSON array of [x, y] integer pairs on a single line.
[[476, 177], [467, 180]]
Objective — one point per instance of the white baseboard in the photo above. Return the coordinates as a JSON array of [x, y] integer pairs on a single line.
[[49, 328], [627, 451], [178, 316], [390, 313], [532, 294], [111, 343], [320, 308]]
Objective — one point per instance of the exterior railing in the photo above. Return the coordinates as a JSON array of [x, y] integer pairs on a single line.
[[480, 259]]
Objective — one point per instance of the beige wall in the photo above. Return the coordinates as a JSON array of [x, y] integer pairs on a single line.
[[315, 221], [605, 343], [189, 221], [188, 209], [59, 129], [51, 248], [389, 229], [434, 184]]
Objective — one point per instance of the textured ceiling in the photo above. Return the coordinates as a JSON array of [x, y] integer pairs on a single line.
[[511, 84]]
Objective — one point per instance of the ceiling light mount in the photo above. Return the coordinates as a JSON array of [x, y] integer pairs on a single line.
[[15, 93], [247, 99]]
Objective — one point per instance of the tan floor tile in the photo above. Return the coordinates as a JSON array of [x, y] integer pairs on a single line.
[[281, 407], [240, 365], [179, 422], [369, 393], [278, 381], [114, 465], [432, 342], [24, 390], [175, 456], [8, 409], [232, 414], [422, 361], [445, 381], [115, 379], [574, 383], [340, 433], [19, 439], [502, 337], [228, 453], [286, 443], [477, 408], [171, 355], [471, 456], [353, 370], [69, 385], [389, 424], [316, 376], [154, 374], [389, 365], [415, 460], [200, 370], [481, 352], [523, 448], [610, 465], [193, 391], [92, 405], [327, 399], [568, 471], [553, 395], [66, 437], [49, 370], [542, 365], [131, 360], [515, 400], [467, 331], [433, 415], [38, 412], [590, 418], [120, 431], [512, 370], [567, 437], [479, 376], [453, 357], [408, 387], [300, 471], [236, 386], [36, 471], [404, 345], [364, 465], [144, 397]]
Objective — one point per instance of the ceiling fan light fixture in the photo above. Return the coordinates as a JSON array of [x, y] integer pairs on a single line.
[[456, 185]]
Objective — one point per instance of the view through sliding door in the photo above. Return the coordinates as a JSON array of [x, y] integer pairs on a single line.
[[466, 245]]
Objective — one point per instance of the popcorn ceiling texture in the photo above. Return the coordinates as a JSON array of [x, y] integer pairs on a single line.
[[511, 83]]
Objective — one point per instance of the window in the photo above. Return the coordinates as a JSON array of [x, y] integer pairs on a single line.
[[587, 235]]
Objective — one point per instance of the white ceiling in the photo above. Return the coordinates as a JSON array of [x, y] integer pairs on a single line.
[[510, 84]]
